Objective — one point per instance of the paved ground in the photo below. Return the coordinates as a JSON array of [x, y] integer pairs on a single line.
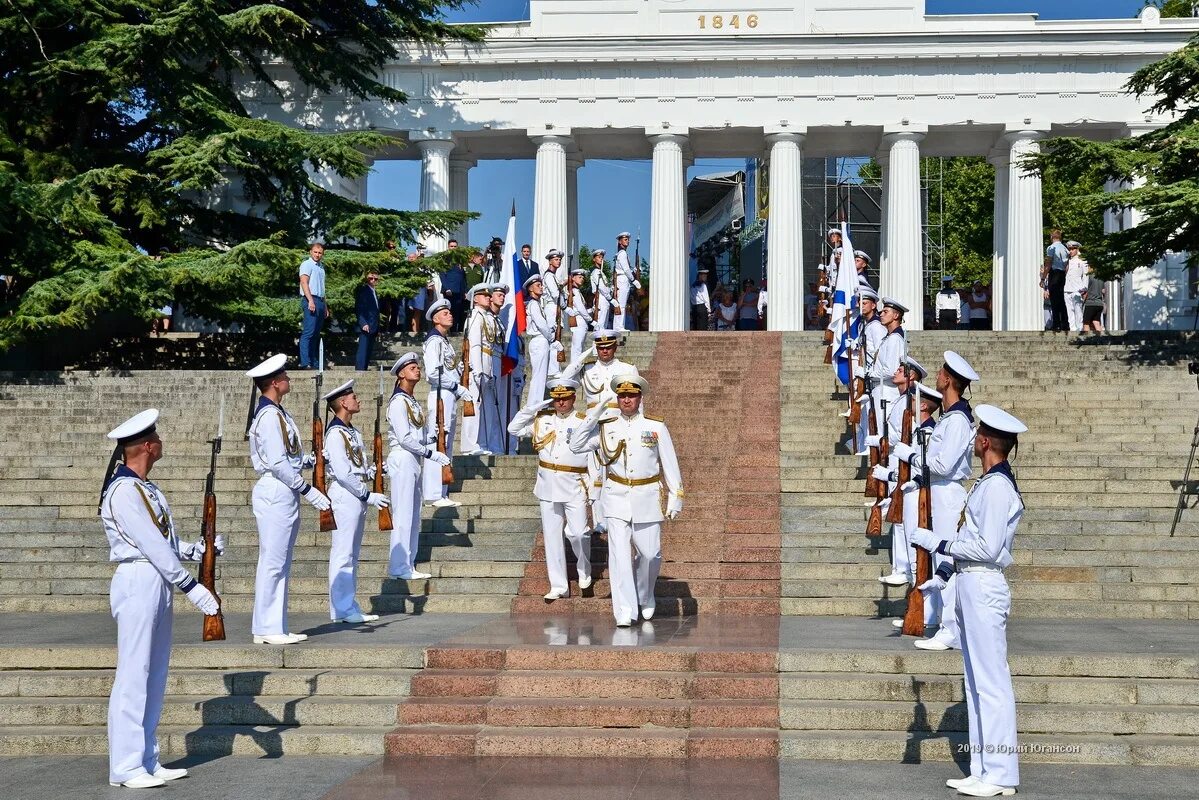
[[351, 778]]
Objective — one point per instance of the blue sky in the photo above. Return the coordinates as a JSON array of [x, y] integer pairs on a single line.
[[495, 184]]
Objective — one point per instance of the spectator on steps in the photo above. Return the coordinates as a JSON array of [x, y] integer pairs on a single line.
[[1075, 285], [948, 305], [726, 312], [747, 309], [1094, 304], [1054, 273], [366, 308], [312, 305], [980, 308]]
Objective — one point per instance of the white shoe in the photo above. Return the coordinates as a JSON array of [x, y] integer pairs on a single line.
[[862, 453], [275, 638], [980, 789], [958, 783], [357, 619], [624, 622], [894, 579], [420, 576], [897, 623], [143, 781], [931, 644], [170, 774], [647, 612], [585, 582], [554, 594], [299, 637], [445, 502]]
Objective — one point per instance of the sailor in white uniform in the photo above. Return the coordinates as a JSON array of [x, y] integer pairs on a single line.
[[277, 454], [872, 333], [481, 339], [949, 450], [409, 447], [978, 554], [880, 370], [577, 312], [554, 280], [601, 290], [639, 456], [541, 342], [469, 440], [624, 315], [561, 486], [443, 371], [350, 494], [143, 542]]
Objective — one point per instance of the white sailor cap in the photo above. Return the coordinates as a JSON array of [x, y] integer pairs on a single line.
[[831, 231], [599, 252], [701, 270], [959, 366], [438, 305], [578, 271], [862, 254], [139, 425], [916, 365], [629, 383], [480, 288], [272, 366], [532, 279], [624, 235], [928, 391], [562, 387], [344, 389], [1069, 244], [891, 302], [946, 279], [999, 421], [605, 336], [499, 287], [866, 293], [553, 253], [403, 361]]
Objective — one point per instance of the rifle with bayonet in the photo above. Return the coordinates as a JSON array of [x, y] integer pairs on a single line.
[[214, 625], [385, 523], [913, 618], [447, 471], [904, 474], [875, 526], [328, 523]]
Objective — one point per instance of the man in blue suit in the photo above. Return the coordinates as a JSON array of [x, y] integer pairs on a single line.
[[366, 307], [525, 265]]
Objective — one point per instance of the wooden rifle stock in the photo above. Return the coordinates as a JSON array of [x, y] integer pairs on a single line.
[[214, 626], [447, 471], [559, 316], [913, 618], [855, 413], [872, 430], [874, 527], [328, 523], [468, 405], [385, 523], [895, 512]]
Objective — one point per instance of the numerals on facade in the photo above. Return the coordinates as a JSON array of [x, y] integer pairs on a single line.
[[717, 22]]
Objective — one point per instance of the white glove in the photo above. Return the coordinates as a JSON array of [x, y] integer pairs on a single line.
[[218, 542], [430, 438], [309, 461], [371, 471], [874, 441], [386, 469], [318, 499], [202, 599], [925, 538], [461, 393], [881, 473], [933, 584], [556, 347], [438, 457], [377, 500], [674, 507], [637, 284], [903, 452], [544, 404], [909, 486]]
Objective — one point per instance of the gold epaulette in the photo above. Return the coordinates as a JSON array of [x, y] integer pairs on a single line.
[[607, 420], [545, 412], [654, 418], [590, 360], [580, 415]]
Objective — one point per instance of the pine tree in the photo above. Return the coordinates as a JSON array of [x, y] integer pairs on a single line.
[[122, 118]]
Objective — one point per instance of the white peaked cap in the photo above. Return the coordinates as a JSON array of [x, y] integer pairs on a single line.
[[891, 302], [1000, 420], [137, 426], [928, 391], [345, 388], [272, 365], [532, 279], [437, 306], [480, 288], [403, 361], [916, 365], [629, 377], [960, 366], [623, 234]]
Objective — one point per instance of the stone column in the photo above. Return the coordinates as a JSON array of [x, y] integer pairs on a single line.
[[1024, 308], [668, 235], [881, 258], [549, 196], [999, 243], [435, 181], [904, 278], [460, 195], [573, 163], [784, 247]]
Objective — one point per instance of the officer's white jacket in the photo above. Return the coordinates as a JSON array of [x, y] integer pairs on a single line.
[[481, 339], [699, 296], [993, 511], [640, 460], [275, 446], [622, 270], [345, 457], [442, 368], [405, 425], [948, 301], [599, 283], [536, 321], [595, 377], [561, 472], [139, 526], [951, 445], [890, 355], [577, 308]]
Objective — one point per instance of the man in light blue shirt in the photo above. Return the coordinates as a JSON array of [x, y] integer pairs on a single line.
[[1054, 270], [312, 305]]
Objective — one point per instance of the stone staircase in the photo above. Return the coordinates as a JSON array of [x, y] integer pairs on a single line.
[[1099, 471], [721, 556]]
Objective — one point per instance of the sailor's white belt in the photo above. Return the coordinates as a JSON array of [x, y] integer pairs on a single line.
[[134, 561], [561, 467], [945, 482], [976, 566], [612, 476]]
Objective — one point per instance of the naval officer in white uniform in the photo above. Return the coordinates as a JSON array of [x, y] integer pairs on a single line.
[[977, 555], [143, 542], [350, 494], [541, 333], [578, 312], [601, 291], [443, 371], [624, 314], [562, 483], [639, 457], [278, 457], [482, 338]]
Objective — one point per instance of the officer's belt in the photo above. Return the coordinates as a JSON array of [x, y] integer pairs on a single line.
[[976, 566], [561, 467], [612, 476], [134, 561]]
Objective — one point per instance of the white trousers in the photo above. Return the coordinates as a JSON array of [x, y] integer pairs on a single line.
[[571, 518], [469, 439], [539, 368], [141, 605], [434, 489], [984, 602], [277, 513], [949, 499], [603, 308], [1074, 310], [595, 481], [404, 472], [620, 322], [492, 429], [633, 576], [578, 337], [911, 521], [350, 513]]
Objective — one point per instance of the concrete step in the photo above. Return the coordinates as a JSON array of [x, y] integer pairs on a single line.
[[187, 710], [625, 684], [522, 712], [40, 684], [894, 604], [413, 603], [207, 740]]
